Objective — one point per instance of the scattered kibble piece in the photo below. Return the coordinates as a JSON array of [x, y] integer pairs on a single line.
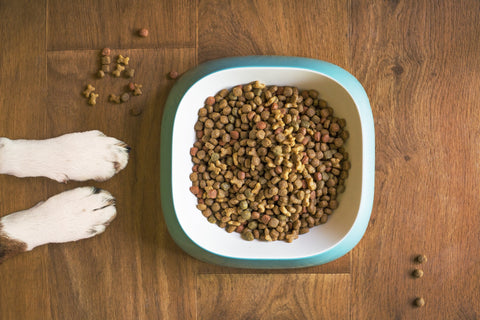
[[419, 302], [136, 111], [125, 97], [106, 52], [93, 99], [421, 258], [417, 273], [114, 98], [118, 70], [101, 73], [106, 68], [138, 89], [130, 72], [131, 86], [143, 33], [106, 60], [123, 60], [88, 91], [173, 75]]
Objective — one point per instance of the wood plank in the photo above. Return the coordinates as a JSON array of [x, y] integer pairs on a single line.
[[420, 66], [315, 29], [24, 281], [292, 296], [90, 24], [134, 266]]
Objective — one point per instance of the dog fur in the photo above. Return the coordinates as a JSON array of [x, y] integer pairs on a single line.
[[71, 215]]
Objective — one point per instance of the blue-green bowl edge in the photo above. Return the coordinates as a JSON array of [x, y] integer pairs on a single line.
[[360, 97]]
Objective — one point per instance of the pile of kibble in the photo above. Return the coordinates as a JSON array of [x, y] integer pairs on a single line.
[[268, 161]]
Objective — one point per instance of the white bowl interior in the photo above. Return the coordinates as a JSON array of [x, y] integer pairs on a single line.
[[215, 239]]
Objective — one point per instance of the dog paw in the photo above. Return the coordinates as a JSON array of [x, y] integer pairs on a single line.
[[80, 156], [69, 216], [92, 155]]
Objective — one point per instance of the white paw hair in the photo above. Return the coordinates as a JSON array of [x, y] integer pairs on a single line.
[[76, 156], [69, 216]]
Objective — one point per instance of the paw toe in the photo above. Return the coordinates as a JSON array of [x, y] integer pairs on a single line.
[[97, 229]]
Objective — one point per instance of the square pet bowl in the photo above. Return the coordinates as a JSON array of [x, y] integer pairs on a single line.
[[210, 243]]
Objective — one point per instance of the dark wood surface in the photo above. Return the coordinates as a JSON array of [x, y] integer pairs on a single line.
[[419, 62]]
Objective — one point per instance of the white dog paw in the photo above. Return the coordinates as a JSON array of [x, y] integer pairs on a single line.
[[69, 216], [75, 156]]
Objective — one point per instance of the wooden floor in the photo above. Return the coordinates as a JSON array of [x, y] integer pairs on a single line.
[[419, 62]]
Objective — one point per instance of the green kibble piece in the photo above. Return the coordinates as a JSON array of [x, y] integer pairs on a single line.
[[214, 157], [248, 235], [246, 214], [243, 204], [212, 219], [253, 225], [277, 150], [225, 186]]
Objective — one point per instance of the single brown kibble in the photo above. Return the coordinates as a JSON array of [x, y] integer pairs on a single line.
[[100, 74], [173, 75], [129, 73], [105, 68], [143, 33], [106, 60], [417, 273], [131, 86], [106, 52], [421, 258], [419, 302]]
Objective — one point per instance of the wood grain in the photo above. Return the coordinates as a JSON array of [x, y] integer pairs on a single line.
[[90, 24], [254, 296], [419, 62], [316, 29], [422, 74]]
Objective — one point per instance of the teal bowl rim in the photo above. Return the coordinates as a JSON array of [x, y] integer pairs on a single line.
[[345, 79]]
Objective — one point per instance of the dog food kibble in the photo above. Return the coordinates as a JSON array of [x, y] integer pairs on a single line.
[[123, 60], [417, 273], [419, 302], [173, 75], [137, 90], [114, 98], [143, 33], [106, 60], [421, 258], [92, 100], [130, 72], [88, 91], [125, 97], [118, 70], [105, 68], [269, 161], [106, 52], [100, 74]]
